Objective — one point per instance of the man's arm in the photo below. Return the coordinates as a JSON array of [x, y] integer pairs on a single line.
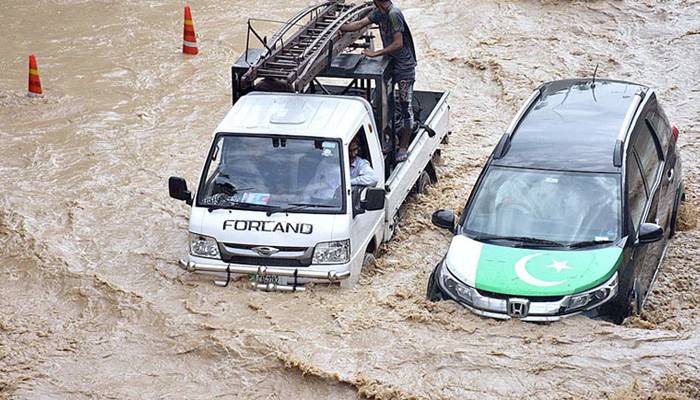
[[396, 44], [355, 26]]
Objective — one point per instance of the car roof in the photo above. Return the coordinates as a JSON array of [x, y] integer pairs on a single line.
[[572, 125], [296, 114]]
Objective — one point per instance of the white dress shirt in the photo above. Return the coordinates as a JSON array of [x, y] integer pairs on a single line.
[[361, 173]]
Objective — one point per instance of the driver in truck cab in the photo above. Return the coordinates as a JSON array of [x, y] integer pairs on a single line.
[[325, 184], [361, 172]]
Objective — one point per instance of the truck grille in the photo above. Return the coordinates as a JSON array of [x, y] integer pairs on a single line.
[[285, 256]]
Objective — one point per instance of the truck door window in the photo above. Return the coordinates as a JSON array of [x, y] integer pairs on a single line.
[[361, 136]]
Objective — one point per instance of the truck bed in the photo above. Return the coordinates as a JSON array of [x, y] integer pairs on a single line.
[[435, 114]]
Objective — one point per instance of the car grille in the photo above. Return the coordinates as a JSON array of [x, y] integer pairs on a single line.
[[501, 296]]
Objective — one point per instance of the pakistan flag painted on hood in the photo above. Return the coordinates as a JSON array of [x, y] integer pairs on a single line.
[[530, 272]]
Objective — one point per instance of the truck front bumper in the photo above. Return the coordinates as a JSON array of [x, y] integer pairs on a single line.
[[295, 276]]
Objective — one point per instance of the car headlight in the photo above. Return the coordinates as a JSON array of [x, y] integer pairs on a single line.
[[203, 246], [454, 287], [593, 297], [337, 252]]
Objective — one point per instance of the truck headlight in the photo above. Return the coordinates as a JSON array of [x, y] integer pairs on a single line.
[[454, 287], [594, 297], [337, 252], [203, 246]]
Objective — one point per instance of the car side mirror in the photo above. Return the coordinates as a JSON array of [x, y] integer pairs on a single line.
[[445, 219], [374, 199], [178, 189], [650, 233]]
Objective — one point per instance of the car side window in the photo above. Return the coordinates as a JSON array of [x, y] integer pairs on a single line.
[[661, 127], [646, 148], [636, 192]]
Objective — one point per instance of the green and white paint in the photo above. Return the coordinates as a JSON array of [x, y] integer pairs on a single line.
[[530, 272]]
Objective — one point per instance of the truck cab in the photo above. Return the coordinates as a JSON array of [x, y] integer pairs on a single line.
[[275, 190]]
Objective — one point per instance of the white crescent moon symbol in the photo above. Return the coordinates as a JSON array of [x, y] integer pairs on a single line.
[[525, 276]]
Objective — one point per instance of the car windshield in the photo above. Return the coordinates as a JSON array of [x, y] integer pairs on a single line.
[[546, 207], [273, 173]]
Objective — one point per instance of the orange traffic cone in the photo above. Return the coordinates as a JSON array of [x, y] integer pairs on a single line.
[[34, 82], [189, 40]]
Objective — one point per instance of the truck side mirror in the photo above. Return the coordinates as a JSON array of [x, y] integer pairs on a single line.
[[445, 219], [374, 199], [650, 233], [178, 189], [357, 203]]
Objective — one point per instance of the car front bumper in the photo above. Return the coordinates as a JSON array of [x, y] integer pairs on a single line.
[[526, 308]]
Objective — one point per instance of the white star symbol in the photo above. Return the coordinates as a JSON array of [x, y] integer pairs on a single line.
[[559, 265]]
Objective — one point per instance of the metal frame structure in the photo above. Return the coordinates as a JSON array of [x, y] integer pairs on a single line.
[[295, 58]]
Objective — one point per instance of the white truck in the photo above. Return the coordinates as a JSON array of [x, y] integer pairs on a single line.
[[274, 201]]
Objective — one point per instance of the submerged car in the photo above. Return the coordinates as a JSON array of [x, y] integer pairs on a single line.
[[572, 212]]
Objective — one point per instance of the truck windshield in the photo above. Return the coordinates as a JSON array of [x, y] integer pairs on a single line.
[[546, 207], [272, 173]]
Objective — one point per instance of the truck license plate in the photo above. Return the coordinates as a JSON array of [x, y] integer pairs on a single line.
[[274, 279]]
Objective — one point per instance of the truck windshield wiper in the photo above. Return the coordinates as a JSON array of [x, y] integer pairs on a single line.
[[239, 205], [297, 206], [588, 243], [523, 239]]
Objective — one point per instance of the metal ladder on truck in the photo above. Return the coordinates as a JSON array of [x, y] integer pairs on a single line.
[[294, 58]]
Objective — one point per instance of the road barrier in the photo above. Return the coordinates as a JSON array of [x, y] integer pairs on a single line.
[[189, 40], [34, 82]]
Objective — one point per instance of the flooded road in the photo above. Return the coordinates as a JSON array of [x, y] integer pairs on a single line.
[[95, 306]]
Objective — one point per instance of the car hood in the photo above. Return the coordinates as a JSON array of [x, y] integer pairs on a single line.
[[530, 272]]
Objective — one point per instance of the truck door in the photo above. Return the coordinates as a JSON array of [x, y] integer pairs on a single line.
[[365, 223], [647, 150]]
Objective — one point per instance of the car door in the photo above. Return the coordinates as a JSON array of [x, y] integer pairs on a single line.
[[636, 201], [647, 151], [669, 181]]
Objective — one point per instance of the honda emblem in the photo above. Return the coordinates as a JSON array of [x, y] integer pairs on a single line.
[[518, 308]]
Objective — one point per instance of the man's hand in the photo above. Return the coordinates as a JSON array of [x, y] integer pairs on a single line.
[[370, 53]]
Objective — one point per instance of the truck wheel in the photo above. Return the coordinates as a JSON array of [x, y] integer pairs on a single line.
[[437, 157], [422, 183], [368, 261], [433, 292], [446, 139]]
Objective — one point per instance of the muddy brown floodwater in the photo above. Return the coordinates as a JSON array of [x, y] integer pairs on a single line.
[[93, 304]]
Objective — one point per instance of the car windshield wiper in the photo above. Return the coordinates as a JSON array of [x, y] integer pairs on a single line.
[[297, 206], [588, 243], [522, 239]]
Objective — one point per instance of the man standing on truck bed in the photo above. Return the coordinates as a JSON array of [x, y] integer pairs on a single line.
[[398, 44]]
